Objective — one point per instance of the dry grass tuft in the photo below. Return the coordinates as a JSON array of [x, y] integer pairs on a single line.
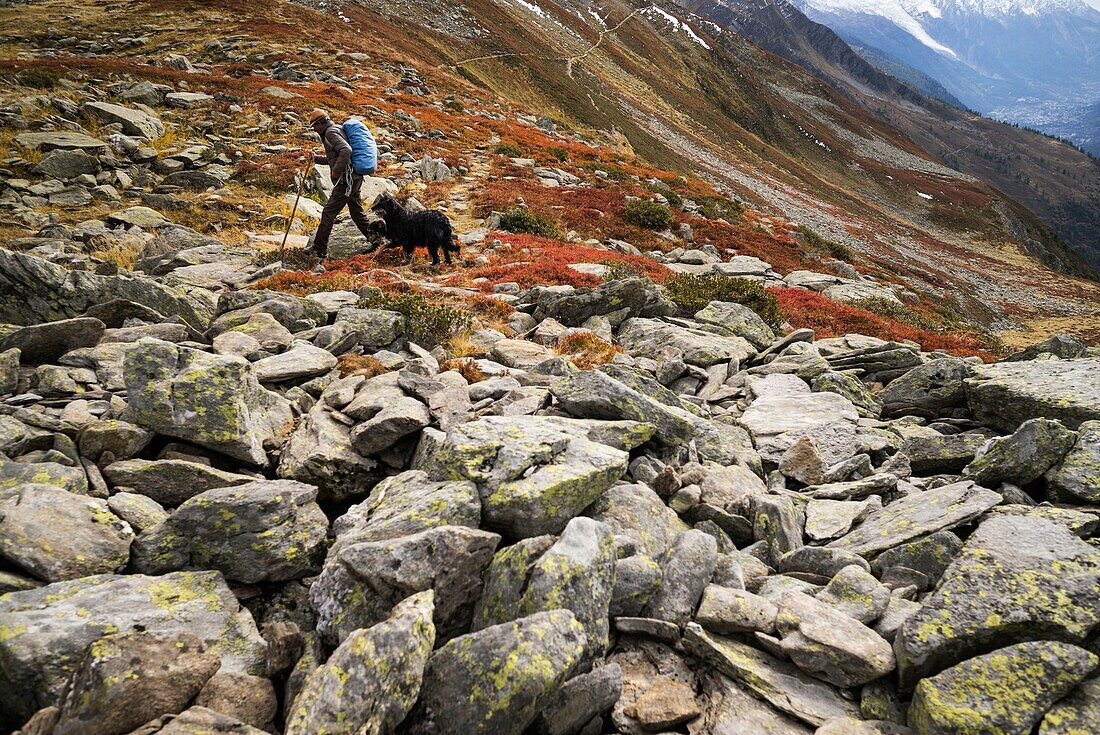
[[467, 368], [587, 350], [365, 365]]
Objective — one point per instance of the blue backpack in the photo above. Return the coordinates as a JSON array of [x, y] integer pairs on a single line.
[[364, 152]]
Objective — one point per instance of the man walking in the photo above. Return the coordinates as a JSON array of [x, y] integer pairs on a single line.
[[346, 183]]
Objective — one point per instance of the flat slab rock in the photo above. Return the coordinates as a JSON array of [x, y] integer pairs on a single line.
[[1006, 394], [777, 682], [918, 515], [46, 630]]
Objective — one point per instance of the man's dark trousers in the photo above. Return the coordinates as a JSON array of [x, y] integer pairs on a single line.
[[341, 197]]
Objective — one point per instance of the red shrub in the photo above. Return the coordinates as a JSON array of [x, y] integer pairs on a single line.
[[830, 318]]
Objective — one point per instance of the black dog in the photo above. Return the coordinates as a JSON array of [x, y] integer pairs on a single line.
[[410, 229]]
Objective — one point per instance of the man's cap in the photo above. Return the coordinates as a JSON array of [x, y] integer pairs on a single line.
[[316, 114]]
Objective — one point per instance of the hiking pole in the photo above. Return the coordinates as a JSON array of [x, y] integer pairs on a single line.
[[290, 220]]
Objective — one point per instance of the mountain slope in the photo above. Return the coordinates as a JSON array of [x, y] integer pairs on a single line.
[[1033, 63], [1059, 183], [684, 94]]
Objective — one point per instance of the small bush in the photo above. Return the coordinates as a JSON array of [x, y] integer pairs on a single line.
[[510, 149], [586, 350], [523, 221], [558, 153], [899, 312], [293, 258], [467, 368], [427, 323], [647, 214], [825, 245], [714, 207], [454, 106], [693, 292], [297, 283], [364, 365], [618, 270]]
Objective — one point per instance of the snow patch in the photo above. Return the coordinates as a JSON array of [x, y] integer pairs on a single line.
[[678, 24], [922, 195], [532, 7], [892, 10]]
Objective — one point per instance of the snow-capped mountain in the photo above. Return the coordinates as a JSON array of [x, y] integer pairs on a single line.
[[1035, 62]]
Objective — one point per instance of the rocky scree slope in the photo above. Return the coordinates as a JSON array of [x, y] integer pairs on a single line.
[[244, 524], [238, 509]]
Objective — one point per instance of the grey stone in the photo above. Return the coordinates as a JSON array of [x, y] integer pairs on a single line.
[[49, 628], [361, 582], [1004, 395], [826, 643], [264, 531], [1017, 578], [777, 682], [300, 362], [211, 400], [778, 523], [856, 593], [121, 439], [726, 611], [169, 481], [637, 578], [372, 679], [1076, 713], [399, 418], [687, 570], [47, 342], [918, 515], [1024, 456], [637, 512], [247, 698], [930, 390], [127, 679], [320, 453], [941, 454], [532, 477], [56, 535], [496, 681], [1006, 691], [699, 347], [15, 474], [736, 320], [1078, 473], [576, 573], [139, 511], [579, 700], [67, 164], [134, 122]]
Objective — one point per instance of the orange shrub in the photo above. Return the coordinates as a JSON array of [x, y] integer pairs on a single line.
[[297, 283], [538, 261]]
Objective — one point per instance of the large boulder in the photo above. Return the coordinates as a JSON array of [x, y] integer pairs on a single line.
[[1076, 713], [128, 679], [362, 582], [47, 630], [1078, 474], [687, 570], [1024, 456], [56, 535], [1007, 394], [214, 401], [576, 573], [133, 121], [781, 684], [42, 343], [826, 643], [533, 477], [638, 513], [635, 296], [931, 390], [49, 292], [1006, 691], [169, 481], [1017, 578], [777, 421], [371, 681], [320, 452], [593, 394], [646, 337], [917, 515], [497, 680], [736, 320], [406, 504], [14, 474], [265, 531]]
